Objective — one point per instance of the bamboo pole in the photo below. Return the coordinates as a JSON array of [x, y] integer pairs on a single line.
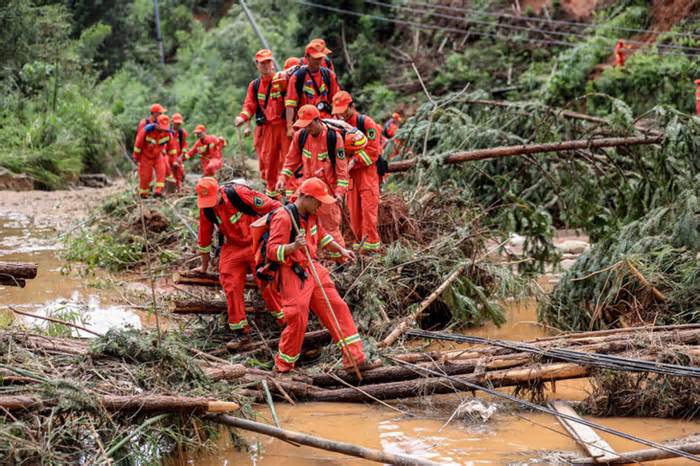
[[321, 443], [18, 270], [523, 149], [648, 454], [407, 322]]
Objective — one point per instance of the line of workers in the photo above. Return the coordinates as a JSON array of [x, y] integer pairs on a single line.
[[315, 151]]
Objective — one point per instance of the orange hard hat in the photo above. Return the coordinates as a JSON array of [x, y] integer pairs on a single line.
[[158, 108], [200, 129], [316, 50], [318, 40], [354, 141], [163, 122], [317, 189], [307, 114], [341, 102], [396, 116], [290, 62], [263, 55], [206, 189], [177, 118]]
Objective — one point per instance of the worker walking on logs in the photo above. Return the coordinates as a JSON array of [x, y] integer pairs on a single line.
[[231, 209], [311, 84], [208, 147], [176, 169], [364, 151], [153, 144], [295, 236], [327, 62], [317, 150], [265, 101]]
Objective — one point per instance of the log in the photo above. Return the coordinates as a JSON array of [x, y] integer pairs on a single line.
[[311, 339], [648, 454], [19, 402], [12, 281], [197, 278], [523, 149], [321, 443], [18, 270], [226, 372]]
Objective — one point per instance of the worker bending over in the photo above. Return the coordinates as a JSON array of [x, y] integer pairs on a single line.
[[208, 147]]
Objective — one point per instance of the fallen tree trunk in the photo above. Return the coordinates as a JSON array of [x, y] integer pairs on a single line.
[[649, 454], [197, 278], [141, 403], [12, 281], [18, 270], [311, 339], [321, 443], [523, 149]]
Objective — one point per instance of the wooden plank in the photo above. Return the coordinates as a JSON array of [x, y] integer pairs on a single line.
[[586, 437]]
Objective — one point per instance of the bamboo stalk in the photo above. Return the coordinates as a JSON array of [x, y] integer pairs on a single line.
[[321, 443], [523, 149]]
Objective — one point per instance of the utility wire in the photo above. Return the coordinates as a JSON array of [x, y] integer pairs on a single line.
[[526, 28], [550, 21], [536, 407]]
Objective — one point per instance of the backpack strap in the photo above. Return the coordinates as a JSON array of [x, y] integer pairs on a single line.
[[331, 141], [180, 137], [236, 201], [361, 123], [302, 139], [211, 216], [301, 77]]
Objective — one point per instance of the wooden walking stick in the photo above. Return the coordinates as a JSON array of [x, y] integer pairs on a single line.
[[328, 302]]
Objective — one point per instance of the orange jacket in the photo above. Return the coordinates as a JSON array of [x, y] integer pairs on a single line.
[[233, 224], [274, 111], [309, 94], [181, 147], [207, 148], [154, 143], [315, 161], [280, 231], [366, 158]]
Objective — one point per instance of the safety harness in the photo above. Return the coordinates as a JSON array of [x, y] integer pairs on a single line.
[[301, 74], [260, 118], [331, 141]]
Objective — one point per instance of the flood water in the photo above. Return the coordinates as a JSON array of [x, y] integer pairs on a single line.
[[505, 438]]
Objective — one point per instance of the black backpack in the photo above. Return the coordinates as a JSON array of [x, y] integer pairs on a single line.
[[180, 136], [301, 78], [262, 269], [259, 115], [331, 141], [381, 164], [237, 202]]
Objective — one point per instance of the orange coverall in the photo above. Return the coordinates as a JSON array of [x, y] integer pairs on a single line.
[[150, 154], [363, 195], [620, 53], [314, 161], [237, 256], [309, 94], [697, 96], [210, 157], [297, 295], [176, 169], [270, 138]]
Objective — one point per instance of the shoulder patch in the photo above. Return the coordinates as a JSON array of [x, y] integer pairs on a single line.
[[341, 154], [371, 134], [258, 201]]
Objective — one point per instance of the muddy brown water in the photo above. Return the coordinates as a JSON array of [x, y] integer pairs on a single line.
[[505, 438]]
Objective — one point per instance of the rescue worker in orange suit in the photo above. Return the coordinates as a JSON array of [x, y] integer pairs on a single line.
[[156, 111], [154, 143], [311, 84], [265, 101], [620, 53], [697, 96], [363, 149], [310, 153], [298, 290], [291, 65], [208, 147], [176, 169], [388, 135], [327, 62], [232, 208]]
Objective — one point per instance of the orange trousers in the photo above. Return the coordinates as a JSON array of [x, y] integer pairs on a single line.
[[146, 168], [211, 166], [271, 145], [363, 205], [175, 174], [330, 216], [296, 298]]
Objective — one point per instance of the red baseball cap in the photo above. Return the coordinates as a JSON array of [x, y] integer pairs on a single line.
[[316, 50], [158, 108], [200, 129], [177, 118], [206, 189], [318, 40], [263, 55], [317, 189], [290, 62], [163, 122], [341, 102], [307, 114]]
